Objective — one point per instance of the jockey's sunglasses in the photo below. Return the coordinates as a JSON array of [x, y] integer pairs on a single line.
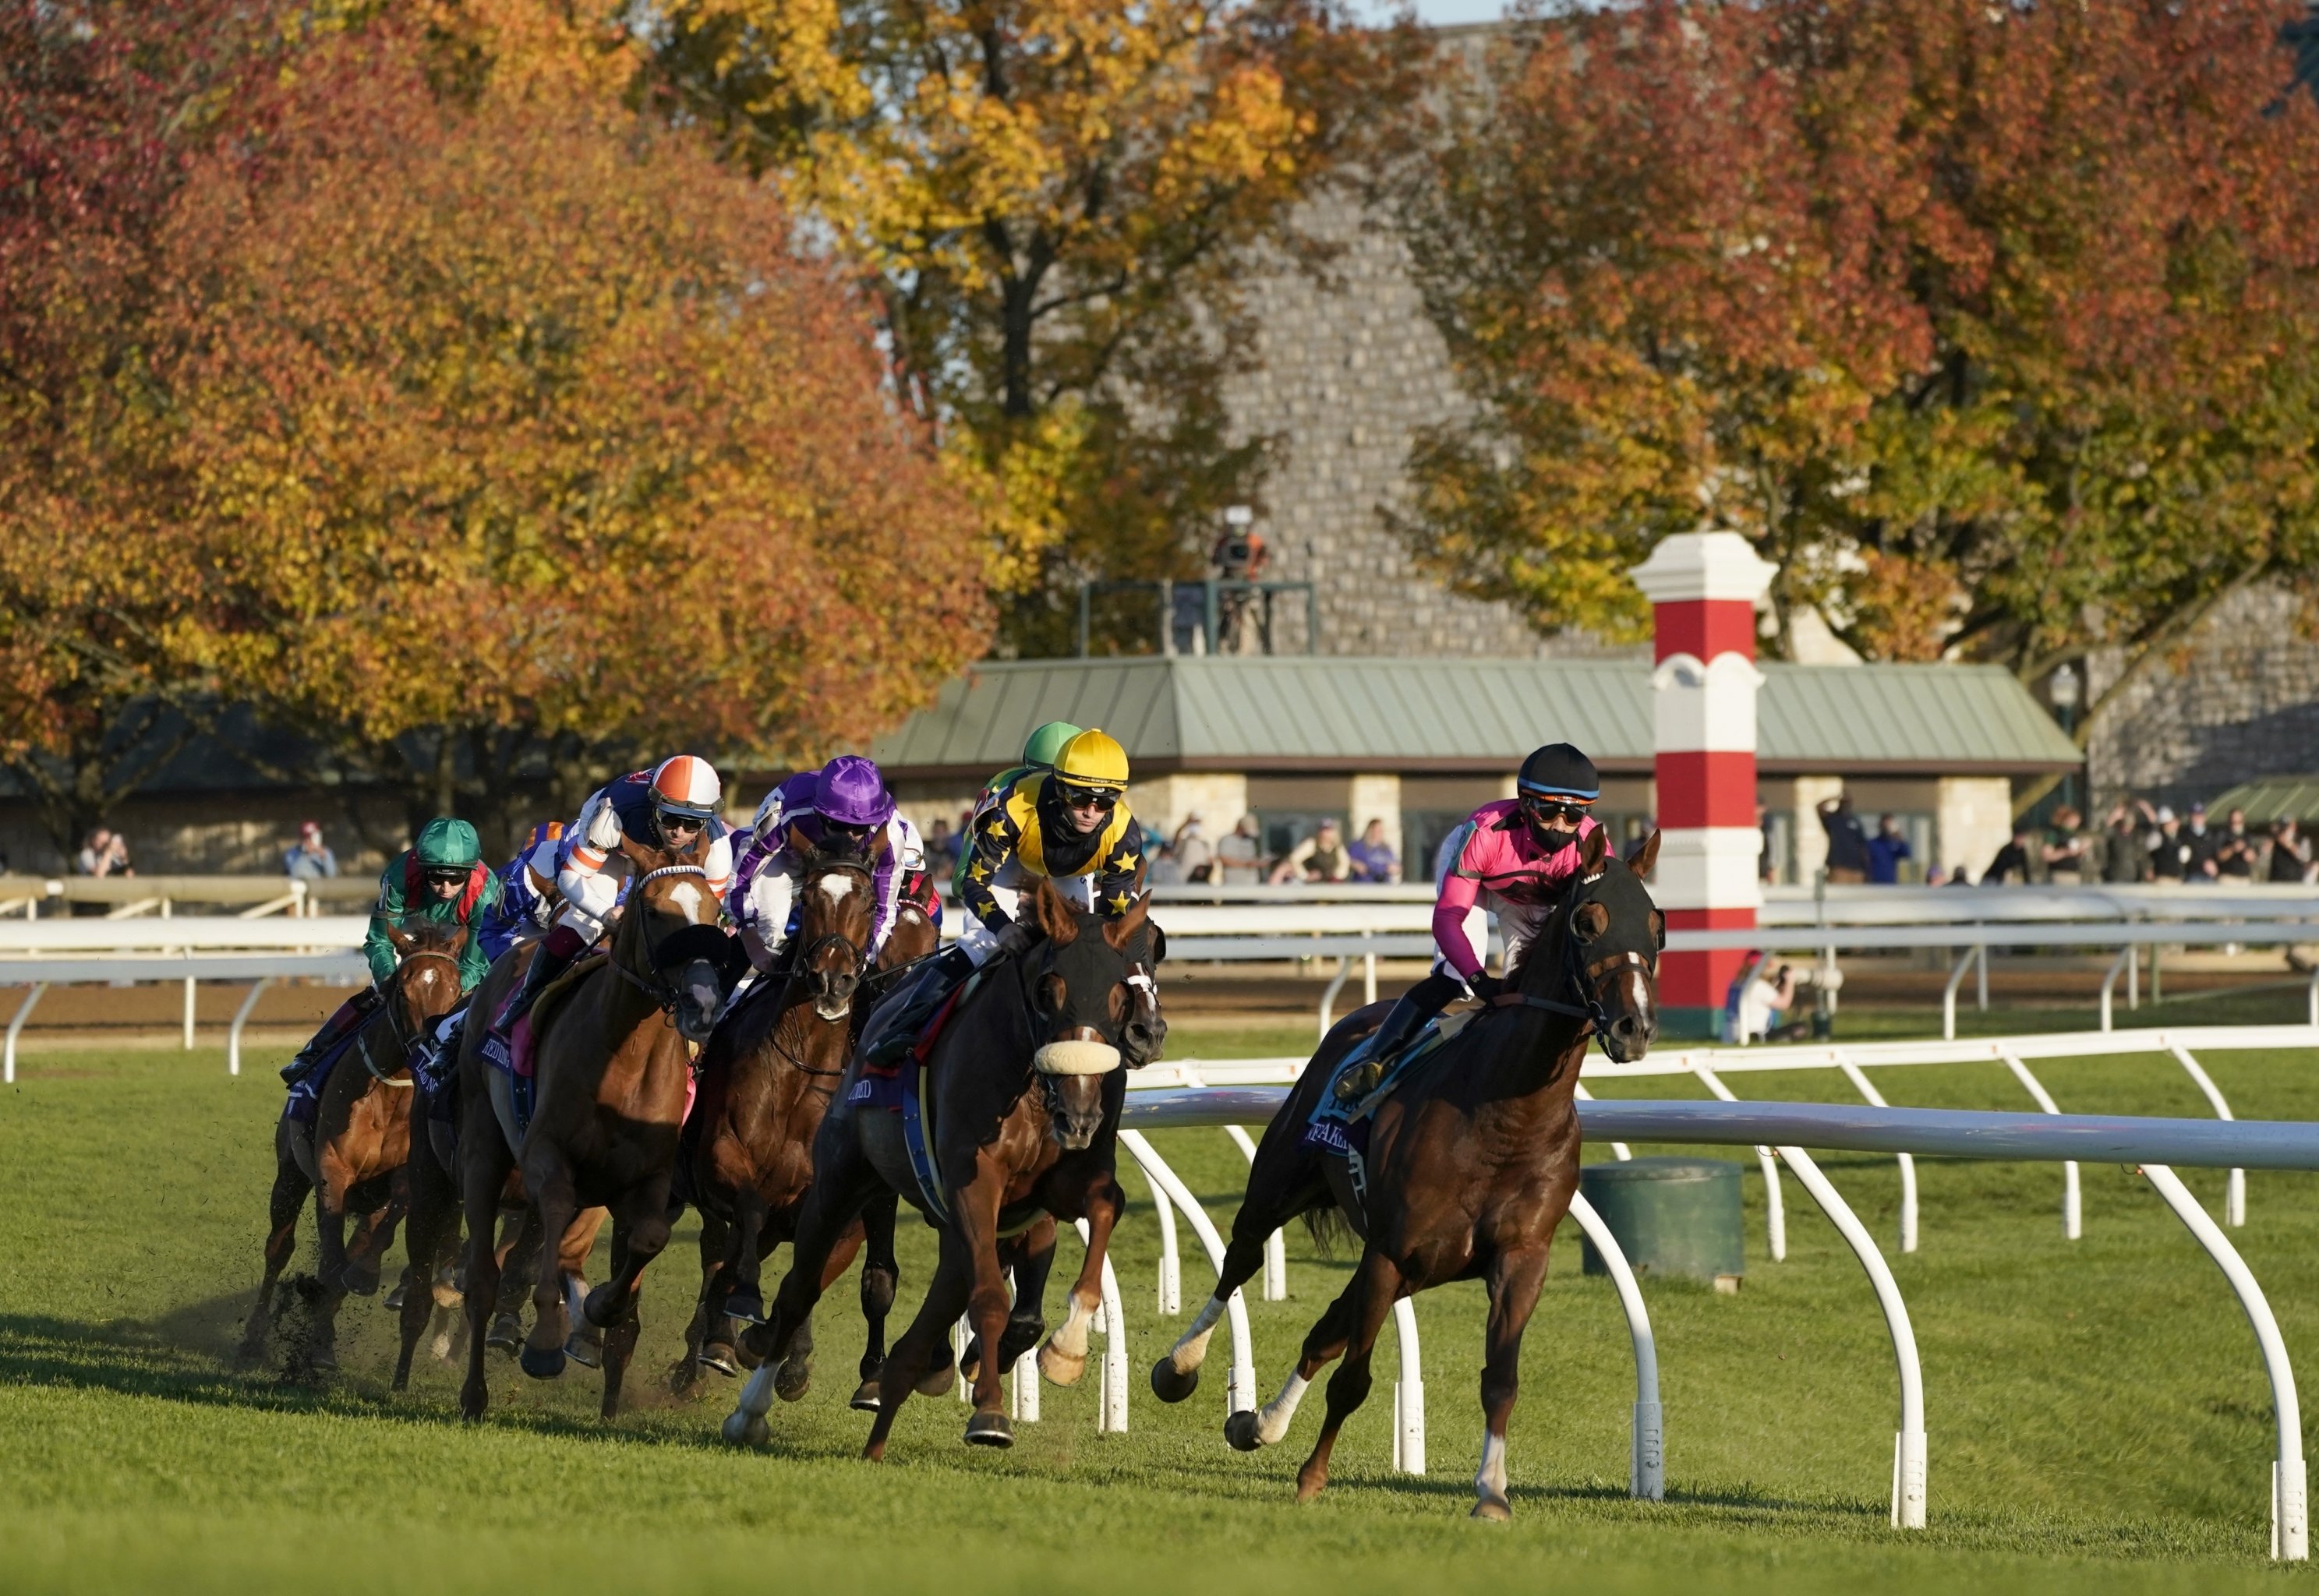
[[1544, 809], [446, 876], [1088, 798], [670, 820]]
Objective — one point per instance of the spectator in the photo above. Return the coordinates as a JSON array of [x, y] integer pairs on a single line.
[[2126, 845], [2234, 850], [1321, 857], [1373, 859], [1194, 853], [2199, 864], [1847, 841], [941, 847], [2021, 860], [2290, 853], [1935, 876], [1241, 855], [1958, 877], [2066, 848], [1767, 869], [105, 854], [1886, 850], [1766, 995], [2169, 855], [309, 859]]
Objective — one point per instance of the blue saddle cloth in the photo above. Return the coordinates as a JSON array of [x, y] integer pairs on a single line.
[[304, 1104], [1335, 1124]]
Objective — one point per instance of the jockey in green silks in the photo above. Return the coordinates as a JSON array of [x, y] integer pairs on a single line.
[[440, 880]]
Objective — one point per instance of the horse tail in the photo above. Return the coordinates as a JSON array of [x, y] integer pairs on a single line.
[[1329, 1229]]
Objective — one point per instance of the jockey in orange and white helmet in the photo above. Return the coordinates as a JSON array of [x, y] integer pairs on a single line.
[[670, 806]]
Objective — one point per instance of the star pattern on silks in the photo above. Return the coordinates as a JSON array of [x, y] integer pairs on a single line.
[[1121, 862], [996, 826], [1118, 902], [977, 872]]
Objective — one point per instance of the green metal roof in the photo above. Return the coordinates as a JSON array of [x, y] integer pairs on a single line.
[[2266, 798], [1319, 713]]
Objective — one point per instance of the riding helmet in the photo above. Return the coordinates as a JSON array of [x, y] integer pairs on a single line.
[[1042, 747], [1560, 771], [687, 785], [850, 791], [449, 844], [1092, 759]]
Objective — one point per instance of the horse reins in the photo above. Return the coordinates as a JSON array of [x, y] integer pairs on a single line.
[[1587, 978], [394, 1020], [664, 1000]]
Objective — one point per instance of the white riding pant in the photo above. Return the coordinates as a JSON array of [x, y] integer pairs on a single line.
[[978, 940]]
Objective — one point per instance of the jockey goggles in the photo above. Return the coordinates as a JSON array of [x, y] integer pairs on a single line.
[[682, 820], [1072, 796], [1545, 810], [445, 875]]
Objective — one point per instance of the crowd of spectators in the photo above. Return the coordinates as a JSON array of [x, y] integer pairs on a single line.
[[2136, 842], [1193, 856]]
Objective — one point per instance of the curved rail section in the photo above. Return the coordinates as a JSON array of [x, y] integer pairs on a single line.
[[2155, 1145]]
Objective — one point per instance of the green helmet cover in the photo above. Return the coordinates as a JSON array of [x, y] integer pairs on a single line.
[[1046, 745], [447, 842]]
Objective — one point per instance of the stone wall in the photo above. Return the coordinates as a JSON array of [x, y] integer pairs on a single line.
[[2242, 700]]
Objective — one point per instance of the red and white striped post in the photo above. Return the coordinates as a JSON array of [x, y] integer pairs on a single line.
[[1704, 587]]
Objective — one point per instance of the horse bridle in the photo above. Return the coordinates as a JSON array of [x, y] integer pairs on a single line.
[[1587, 978], [665, 998], [402, 1043], [857, 955]]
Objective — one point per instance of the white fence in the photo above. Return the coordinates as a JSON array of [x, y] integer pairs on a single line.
[[1236, 1093]]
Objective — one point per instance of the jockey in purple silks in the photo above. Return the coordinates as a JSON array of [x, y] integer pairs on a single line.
[[839, 808]]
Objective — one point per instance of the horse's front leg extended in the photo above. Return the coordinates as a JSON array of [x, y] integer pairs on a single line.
[[976, 1205], [547, 1176], [1514, 1279], [946, 1296], [881, 1277], [1063, 1359], [283, 1207], [1368, 1297]]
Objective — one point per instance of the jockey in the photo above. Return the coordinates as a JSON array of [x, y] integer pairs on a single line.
[[837, 809], [669, 807], [527, 897], [441, 881], [1515, 857], [1039, 751], [1071, 825]]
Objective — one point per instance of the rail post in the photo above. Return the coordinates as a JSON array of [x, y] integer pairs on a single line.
[[2073, 1214], [2235, 1195], [1859, 1079], [1408, 1393], [1646, 1465], [1775, 1213]]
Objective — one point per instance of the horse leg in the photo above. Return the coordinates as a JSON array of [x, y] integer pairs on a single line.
[[283, 1207], [1063, 1359], [1371, 1293], [881, 1277], [1028, 1259], [744, 1299], [547, 1176], [946, 1297], [710, 1340], [366, 1257], [1280, 1188], [1514, 1279], [842, 1181], [585, 1345], [521, 1242], [423, 1243], [794, 1376], [976, 1204], [483, 1165], [321, 1352]]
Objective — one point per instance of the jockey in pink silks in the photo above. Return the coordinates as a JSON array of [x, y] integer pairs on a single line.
[[1512, 857]]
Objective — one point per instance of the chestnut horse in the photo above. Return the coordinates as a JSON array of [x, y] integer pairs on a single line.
[[1471, 1163], [613, 1074], [354, 1153], [1023, 1092], [767, 1078]]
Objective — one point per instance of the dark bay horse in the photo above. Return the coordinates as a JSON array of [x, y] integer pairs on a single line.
[[767, 1078], [353, 1155], [1022, 1093], [613, 1066], [1470, 1165]]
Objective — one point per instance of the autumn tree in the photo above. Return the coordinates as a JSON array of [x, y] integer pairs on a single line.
[[1051, 201], [524, 447], [1992, 325], [103, 107]]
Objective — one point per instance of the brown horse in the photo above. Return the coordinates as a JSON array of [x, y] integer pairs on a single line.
[[1023, 1092], [767, 1078], [613, 1076], [353, 1155], [1470, 1165]]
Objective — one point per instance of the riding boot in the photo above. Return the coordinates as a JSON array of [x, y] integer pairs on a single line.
[[1366, 1065], [350, 1014], [899, 1019], [555, 955]]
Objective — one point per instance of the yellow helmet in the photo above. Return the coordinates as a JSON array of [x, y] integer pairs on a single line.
[[1093, 758]]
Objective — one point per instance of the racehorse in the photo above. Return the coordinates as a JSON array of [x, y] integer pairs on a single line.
[[1023, 1092], [613, 1077], [1471, 1163], [354, 1153], [767, 1078]]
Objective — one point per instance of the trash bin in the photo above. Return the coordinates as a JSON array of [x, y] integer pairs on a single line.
[[1672, 1216]]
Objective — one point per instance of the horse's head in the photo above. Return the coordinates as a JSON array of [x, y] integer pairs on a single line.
[[836, 906], [1606, 955], [1094, 994], [427, 977], [675, 926]]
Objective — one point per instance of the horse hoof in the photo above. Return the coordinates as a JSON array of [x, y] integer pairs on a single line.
[[867, 1400], [746, 1306], [393, 1304], [359, 1282], [541, 1363], [1496, 1510], [1169, 1385], [1059, 1368], [793, 1379], [585, 1349], [937, 1382], [597, 1308], [720, 1358], [506, 1334], [323, 1361], [746, 1429], [1239, 1430], [990, 1430]]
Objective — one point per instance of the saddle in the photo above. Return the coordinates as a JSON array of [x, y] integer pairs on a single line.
[[1334, 1112], [305, 1102]]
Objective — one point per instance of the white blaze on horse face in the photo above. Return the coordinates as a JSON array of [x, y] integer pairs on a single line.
[[1272, 1418], [1192, 1348], [688, 899], [837, 887]]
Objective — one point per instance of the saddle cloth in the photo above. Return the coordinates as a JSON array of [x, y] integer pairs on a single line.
[[304, 1104], [1333, 1118]]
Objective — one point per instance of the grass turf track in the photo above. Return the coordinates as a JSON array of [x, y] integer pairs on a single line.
[[2097, 1413]]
